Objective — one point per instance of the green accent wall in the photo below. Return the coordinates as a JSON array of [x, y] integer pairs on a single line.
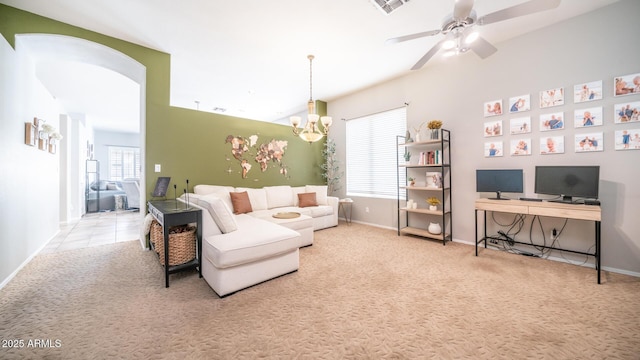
[[189, 144]]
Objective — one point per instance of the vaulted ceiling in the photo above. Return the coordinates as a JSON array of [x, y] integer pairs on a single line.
[[248, 58]]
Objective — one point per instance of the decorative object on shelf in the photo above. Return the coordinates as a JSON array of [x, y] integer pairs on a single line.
[[433, 203], [412, 204], [434, 180], [407, 156], [411, 181], [407, 137], [434, 228], [311, 131], [434, 129]]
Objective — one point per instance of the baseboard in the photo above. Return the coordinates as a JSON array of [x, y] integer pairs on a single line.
[[26, 261]]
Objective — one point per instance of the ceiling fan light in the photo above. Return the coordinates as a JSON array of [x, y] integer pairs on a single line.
[[473, 36], [449, 44], [449, 53]]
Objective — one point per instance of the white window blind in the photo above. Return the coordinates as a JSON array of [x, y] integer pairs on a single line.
[[124, 163], [372, 155]]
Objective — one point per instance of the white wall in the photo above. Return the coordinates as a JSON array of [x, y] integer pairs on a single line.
[[594, 46], [29, 179]]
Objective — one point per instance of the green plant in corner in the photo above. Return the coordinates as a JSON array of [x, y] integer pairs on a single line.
[[331, 167]]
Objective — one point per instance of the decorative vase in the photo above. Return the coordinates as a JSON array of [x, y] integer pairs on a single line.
[[434, 134], [434, 228], [433, 207]]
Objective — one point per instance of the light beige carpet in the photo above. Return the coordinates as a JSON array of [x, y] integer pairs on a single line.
[[361, 293]]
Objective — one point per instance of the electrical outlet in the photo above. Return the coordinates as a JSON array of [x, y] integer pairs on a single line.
[[366, 209], [157, 168]]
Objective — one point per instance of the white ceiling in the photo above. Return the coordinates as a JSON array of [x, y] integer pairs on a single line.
[[250, 56]]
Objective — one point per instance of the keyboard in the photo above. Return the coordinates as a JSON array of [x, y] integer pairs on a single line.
[[530, 199]]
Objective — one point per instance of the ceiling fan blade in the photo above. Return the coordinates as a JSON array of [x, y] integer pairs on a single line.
[[526, 8], [412, 36], [428, 55], [462, 9], [482, 47]]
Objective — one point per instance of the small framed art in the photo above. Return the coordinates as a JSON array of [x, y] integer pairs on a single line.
[[29, 134], [520, 103], [553, 121], [551, 97], [493, 108], [626, 85], [520, 125], [520, 147], [552, 145], [628, 139], [626, 112], [587, 117], [493, 128], [590, 91], [493, 149], [589, 142]]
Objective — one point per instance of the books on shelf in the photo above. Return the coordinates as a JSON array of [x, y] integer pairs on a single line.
[[433, 157]]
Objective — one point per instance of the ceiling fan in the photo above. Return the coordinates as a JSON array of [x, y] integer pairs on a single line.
[[460, 35]]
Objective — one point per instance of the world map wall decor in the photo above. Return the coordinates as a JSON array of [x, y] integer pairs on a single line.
[[248, 152]]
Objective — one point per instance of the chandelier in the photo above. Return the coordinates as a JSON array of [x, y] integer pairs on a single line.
[[311, 131]]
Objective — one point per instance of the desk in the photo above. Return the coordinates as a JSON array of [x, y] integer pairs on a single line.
[[169, 213], [543, 208], [344, 204]]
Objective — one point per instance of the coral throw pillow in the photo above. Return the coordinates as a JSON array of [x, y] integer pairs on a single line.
[[241, 203], [307, 199]]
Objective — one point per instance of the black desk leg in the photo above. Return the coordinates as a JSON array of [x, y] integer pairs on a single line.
[[598, 228], [476, 232], [199, 242]]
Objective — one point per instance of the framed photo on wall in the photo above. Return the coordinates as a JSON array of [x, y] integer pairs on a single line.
[[551, 145], [520, 103], [493, 108], [626, 112], [553, 121], [626, 85], [628, 139], [520, 147], [520, 125], [551, 97], [493, 128], [493, 149], [590, 91], [589, 142], [588, 117]]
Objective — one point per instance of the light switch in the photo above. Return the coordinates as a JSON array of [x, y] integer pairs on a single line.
[[158, 168]]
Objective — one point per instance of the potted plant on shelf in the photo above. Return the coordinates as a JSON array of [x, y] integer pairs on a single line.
[[411, 181], [433, 203], [434, 126]]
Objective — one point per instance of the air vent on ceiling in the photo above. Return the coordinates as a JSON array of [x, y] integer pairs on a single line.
[[219, 109], [388, 6]]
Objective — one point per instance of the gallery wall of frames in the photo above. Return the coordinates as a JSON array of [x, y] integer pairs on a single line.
[[41, 135], [579, 107]]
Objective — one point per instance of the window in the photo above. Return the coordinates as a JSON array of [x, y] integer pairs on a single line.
[[372, 155], [124, 163]]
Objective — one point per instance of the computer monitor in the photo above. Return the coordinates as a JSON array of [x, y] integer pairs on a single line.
[[568, 182], [499, 181]]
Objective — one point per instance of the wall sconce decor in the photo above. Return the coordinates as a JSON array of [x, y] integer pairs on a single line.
[[30, 134], [45, 135]]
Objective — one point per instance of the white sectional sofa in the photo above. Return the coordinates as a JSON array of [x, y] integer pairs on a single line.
[[241, 250]]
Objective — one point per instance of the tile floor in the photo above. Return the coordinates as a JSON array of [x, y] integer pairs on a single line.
[[97, 229]]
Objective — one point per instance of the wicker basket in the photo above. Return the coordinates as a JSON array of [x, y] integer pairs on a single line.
[[182, 243]]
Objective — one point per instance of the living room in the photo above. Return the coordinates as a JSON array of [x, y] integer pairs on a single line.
[[582, 49]]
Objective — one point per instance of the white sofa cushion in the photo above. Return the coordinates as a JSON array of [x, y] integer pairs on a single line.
[[221, 191], [245, 246], [257, 197], [279, 196], [219, 211], [321, 193], [297, 190]]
